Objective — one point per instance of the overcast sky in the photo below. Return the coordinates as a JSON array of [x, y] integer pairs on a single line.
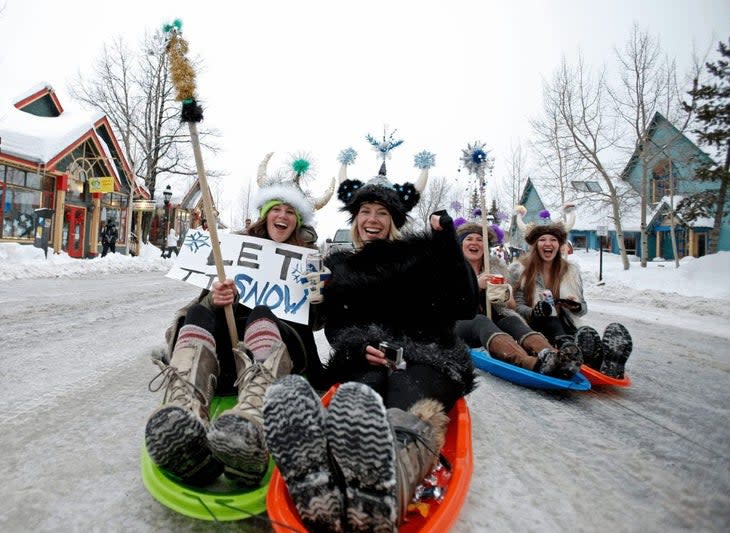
[[289, 76]]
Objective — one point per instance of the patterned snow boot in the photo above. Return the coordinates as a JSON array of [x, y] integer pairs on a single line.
[[547, 361], [589, 342], [569, 357], [618, 345], [362, 445], [236, 437], [175, 432], [294, 424]]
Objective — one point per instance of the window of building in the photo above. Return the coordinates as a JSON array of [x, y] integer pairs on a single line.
[[22, 193], [586, 186], [660, 180]]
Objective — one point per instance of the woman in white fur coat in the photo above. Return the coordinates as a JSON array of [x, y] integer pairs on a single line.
[[556, 313]]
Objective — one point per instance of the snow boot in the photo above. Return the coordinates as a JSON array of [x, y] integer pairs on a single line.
[[618, 346], [294, 425], [175, 433], [236, 437], [589, 342], [569, 357], [547, 361], [419, 436], [362, 445]]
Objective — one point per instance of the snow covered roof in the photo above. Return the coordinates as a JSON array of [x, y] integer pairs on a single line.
[[40, 139]]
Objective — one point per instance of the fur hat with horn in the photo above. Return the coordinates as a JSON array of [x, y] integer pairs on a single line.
[[559, 229], [287, 189], [398, 199]]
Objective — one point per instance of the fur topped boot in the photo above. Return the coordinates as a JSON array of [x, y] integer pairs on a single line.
[[382, 455], [420, 434], [236, 437], [175, 433]]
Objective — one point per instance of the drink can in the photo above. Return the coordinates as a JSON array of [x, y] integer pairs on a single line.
[[547, 295], [497, 279], [314, 262]]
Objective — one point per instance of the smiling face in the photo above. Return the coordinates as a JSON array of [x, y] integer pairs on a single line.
[[548, 247], [473, 248], [373, 222], [281, 221]]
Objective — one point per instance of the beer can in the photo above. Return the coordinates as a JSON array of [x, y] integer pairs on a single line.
[[314, 262]]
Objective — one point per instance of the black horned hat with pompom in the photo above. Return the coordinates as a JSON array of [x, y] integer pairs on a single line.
[[398, 199]]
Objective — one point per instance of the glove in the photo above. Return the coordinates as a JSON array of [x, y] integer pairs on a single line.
[[542, 310], [314, 282], [499, 293]]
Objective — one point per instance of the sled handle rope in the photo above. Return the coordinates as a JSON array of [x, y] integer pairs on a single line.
[[183, 79]]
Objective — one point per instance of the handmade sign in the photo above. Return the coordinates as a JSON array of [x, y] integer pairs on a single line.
[[265, 272]]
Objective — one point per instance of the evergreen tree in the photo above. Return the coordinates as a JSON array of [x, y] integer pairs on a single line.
[[712, 107]]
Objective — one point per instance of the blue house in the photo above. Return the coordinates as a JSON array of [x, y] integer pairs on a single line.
[[670, 160]]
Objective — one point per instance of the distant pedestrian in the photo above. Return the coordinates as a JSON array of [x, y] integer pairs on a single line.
[[109, 238], [171, 244]]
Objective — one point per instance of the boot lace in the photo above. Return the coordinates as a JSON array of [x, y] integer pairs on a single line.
[[177, 388], [254, 380]]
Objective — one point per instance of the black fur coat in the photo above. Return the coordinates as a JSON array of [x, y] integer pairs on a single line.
[[409, 292]]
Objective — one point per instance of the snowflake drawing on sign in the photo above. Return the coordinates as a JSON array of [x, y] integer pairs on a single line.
[[298, 275], [197, 240]]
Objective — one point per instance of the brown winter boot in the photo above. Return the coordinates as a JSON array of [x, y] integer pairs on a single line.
[[505, 348], [175, 434], [419, 436], [236, 437]]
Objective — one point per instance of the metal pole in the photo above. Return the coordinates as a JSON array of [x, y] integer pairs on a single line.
[[600, 258], [485, 237]]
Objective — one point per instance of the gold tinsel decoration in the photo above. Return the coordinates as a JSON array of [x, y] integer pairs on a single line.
[[183, 75]]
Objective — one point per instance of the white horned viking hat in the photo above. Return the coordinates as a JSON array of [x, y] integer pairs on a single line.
[[398, 199], [287, 190], [558, 229]]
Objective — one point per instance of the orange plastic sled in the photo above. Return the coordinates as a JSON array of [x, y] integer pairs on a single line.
[[441, 517], [597, 378]]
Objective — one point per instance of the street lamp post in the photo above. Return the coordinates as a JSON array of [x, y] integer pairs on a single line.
[[167, 195]]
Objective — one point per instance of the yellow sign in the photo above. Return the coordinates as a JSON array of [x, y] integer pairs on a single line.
[[101, 184]]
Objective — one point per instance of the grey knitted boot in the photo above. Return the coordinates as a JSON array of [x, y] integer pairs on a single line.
[[362, 446], [294, 424]]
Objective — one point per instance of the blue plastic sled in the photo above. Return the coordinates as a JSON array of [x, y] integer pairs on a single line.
[[524, 377]]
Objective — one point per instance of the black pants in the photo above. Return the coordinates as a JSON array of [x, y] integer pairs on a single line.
[[106, 246], [553, 327], [215, 323], [479, 330]]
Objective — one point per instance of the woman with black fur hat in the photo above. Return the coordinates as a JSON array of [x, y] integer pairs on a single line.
[[549, 295], [506, 335], [356, 465]]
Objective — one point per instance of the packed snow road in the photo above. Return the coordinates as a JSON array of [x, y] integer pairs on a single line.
[[75, 367]]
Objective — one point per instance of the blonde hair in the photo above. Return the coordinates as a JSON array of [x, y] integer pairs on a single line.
[[393, 233]]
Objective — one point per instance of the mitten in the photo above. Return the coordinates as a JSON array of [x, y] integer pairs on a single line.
[[542, 310], [314, 283]]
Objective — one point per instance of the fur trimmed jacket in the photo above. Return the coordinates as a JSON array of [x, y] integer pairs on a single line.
[[409, 292], [571, 286]]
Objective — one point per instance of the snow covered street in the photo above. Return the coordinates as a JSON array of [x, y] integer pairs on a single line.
[[653, 457]]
